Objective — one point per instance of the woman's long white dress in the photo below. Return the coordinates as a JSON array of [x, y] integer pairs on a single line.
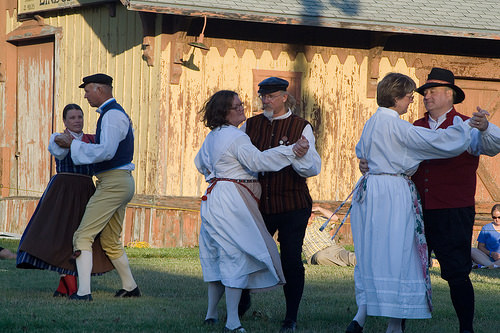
[[235, 247], [390, 277]]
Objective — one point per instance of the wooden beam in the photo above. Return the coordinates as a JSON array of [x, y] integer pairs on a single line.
[[148, 21]]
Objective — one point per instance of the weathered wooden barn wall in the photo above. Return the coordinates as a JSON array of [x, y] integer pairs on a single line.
[[16, 213], [333, 99], [92, 41], [95, 42], [159, 225], [7, 94], [162, 225], [163, 101]]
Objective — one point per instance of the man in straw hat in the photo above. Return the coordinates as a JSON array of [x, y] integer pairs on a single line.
[[285, 202], [447, 188]]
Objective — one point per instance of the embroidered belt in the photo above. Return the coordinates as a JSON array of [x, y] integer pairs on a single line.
[[240, 182]]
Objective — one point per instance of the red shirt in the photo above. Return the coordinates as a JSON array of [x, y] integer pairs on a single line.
[[450, 182]]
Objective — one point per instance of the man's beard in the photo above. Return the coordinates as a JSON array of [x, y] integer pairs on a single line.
[[268, 114]]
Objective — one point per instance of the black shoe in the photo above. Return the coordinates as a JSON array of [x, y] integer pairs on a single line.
[[354, 327], [210, 321], [59, 294], [124, 293], [76, 297], [245, 302], [236, 330], [288, 326]]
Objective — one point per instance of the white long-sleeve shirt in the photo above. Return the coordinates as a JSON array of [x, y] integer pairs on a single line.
[[485, 142], [114, 128]]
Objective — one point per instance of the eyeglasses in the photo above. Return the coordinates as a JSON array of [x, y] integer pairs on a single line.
[[237, 106], [269, 96], [496, 217]]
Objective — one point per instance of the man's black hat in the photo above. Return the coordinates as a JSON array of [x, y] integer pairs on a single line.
[[439, 77], [272, 84], [97, 78]]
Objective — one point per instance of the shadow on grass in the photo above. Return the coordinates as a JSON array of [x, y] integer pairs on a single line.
[[175, 298]]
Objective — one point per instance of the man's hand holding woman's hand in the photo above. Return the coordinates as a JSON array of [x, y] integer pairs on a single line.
[[363, 166], [479, 119], [301, 147], [64, 140]]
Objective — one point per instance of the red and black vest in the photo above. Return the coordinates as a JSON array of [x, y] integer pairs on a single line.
[[450, 182], [284, 190]]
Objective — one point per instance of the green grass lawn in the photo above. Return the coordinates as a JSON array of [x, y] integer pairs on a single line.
[[174, 300]]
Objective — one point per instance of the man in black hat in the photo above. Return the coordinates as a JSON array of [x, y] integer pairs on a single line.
[[285, 202], [112, 156], [447, 188], [99, 78]]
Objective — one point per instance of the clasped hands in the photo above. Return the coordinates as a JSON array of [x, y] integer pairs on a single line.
[[64, 140], [479, 119], [301, 147]]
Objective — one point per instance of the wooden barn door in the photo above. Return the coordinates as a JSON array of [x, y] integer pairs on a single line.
[[485, 94], [34, 114]]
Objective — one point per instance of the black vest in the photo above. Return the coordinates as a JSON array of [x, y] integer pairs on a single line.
[[125, 152]]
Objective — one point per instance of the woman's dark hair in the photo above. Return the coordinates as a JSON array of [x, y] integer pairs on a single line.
[[70, 107], [217, 107], [392, 86], [495, 208]]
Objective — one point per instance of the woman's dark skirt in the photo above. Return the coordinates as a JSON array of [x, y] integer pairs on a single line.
[[47, 241]]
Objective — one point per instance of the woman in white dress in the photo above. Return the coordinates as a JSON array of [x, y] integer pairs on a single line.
[[236, 251], [391, 276]]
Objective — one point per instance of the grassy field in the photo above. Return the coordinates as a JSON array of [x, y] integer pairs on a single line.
[[174, 300]]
